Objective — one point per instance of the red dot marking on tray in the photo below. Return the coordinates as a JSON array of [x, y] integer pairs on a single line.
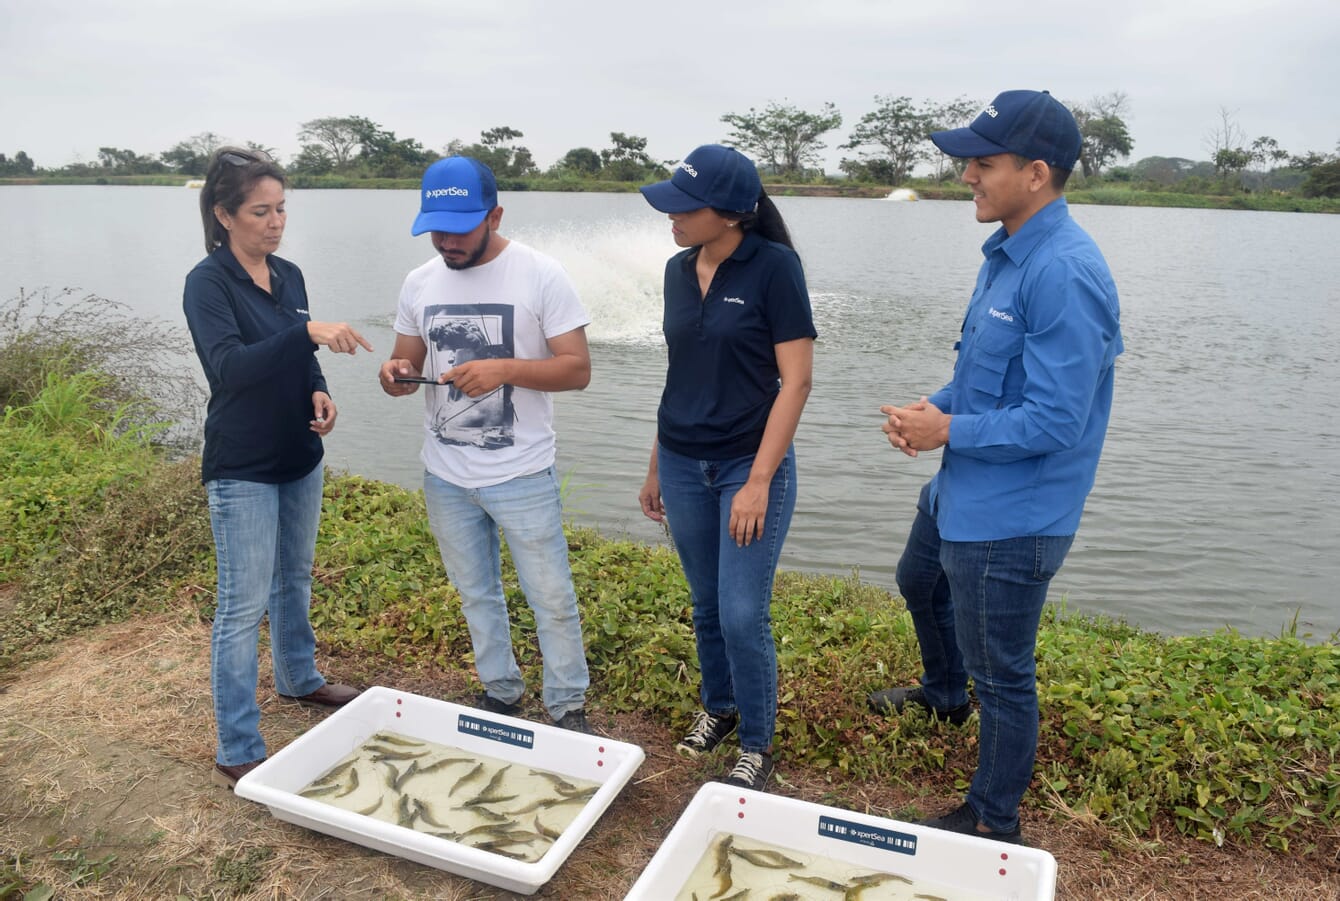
[[400, 700], [740, 815], [600, 763], [1001, 871], [397, 714]]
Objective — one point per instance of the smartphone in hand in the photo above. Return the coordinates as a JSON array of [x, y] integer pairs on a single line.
[[418, 380]]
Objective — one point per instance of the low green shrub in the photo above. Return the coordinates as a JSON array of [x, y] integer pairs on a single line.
[[1229, 738]]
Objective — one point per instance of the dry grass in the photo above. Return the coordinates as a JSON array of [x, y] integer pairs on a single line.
[[106, 749]]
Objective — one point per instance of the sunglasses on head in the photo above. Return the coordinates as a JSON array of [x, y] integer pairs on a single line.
[[243, 158]]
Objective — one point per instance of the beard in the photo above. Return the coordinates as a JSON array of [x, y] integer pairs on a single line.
[[473, 256]]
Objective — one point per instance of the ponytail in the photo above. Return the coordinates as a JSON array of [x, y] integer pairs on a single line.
[[765, 219]]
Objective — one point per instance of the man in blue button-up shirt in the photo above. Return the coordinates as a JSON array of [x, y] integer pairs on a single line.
[[1021, 425]]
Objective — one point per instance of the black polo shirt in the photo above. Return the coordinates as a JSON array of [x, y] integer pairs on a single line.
[[261, 367], [723, 377]]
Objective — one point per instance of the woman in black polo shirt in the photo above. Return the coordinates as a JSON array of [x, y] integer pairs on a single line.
[[261, 465], [740, 335]]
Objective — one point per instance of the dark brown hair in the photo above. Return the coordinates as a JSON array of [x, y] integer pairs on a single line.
[[765, 219], [232, 173]]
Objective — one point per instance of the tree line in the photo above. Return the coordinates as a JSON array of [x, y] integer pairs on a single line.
[[887, 145]]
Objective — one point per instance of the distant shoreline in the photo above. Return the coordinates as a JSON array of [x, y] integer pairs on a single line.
[[1105, 195]]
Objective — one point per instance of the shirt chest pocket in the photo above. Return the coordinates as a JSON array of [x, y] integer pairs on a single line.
[[989, 357]]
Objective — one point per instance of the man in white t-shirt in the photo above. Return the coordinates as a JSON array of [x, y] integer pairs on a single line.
[[495, 327]]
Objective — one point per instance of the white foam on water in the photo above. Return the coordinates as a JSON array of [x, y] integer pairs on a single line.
[[619, 269]]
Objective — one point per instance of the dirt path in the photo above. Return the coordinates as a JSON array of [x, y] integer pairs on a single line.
[[105, 750]]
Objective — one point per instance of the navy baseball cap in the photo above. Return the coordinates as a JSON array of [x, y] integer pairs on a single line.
[[712, 175], [457, 193], [1032, 124]]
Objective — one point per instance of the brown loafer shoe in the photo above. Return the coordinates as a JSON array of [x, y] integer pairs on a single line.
[[329, 695], [227, 776]]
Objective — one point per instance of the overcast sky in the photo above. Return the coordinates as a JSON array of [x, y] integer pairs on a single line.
[[76, 75]]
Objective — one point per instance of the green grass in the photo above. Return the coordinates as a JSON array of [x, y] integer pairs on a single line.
[[1227, 738], [1281, 203]]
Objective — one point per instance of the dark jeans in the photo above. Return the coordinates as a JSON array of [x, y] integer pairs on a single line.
[[731, 585], [976, 607]]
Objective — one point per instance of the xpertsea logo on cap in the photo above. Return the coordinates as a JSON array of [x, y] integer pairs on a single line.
[[452, 191]]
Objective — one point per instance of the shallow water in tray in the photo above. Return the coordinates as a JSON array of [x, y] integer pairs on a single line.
[[505, 808], [734, 868]]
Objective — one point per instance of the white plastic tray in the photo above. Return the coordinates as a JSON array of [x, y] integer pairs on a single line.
[[1007, 872], [276, 782]]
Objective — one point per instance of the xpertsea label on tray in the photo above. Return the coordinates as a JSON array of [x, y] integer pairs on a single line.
[[490, 729], [872, 836]]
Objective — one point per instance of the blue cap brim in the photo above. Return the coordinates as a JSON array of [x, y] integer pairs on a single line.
[[667, 198], [452, 223], [964, 143]]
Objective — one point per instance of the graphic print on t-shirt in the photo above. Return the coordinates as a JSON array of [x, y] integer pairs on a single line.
[[456, 334]]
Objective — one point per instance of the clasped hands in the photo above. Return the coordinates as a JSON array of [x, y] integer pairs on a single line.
[[919, 426]]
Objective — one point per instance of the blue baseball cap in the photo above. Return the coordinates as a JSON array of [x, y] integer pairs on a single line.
[[712, 175], [457, 193], [1032, 124]]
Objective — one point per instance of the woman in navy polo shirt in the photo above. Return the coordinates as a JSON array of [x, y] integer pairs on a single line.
[[723, 472], [268, 411]]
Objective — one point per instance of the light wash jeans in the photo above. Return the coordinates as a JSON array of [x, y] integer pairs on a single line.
[[264, 544], [976, 606], [465, 522], [731, 585]]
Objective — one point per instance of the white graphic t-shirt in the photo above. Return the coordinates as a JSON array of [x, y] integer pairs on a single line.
[[506, 308]]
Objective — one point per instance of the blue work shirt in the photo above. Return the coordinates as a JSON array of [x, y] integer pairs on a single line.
[[1032, 386], [261, 367], [723, 377]]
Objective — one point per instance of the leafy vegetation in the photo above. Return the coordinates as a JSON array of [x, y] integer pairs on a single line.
[[1229, 739], [892, 140]]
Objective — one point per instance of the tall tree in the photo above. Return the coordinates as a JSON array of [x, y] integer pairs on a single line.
[[313, 159], [1231, 161], [191, 156], [1226, 134], [383, 155], [340, 136], [116, 161], [1306, 162], [1104, 138], [1268, 152], [954, 113], [582, 162], [1323, 181], [22, 164], [783, 138], [627, 160], [496, 148], [898, 132]]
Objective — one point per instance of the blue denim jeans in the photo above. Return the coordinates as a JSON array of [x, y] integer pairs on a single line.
[[264, 544], [731, 585], [465, 522], [976, 607]]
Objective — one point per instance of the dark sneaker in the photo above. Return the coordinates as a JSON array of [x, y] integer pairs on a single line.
[[751, 770], [488, 702], [893, 700], [964, 822], [708, 731], [574, 721]]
